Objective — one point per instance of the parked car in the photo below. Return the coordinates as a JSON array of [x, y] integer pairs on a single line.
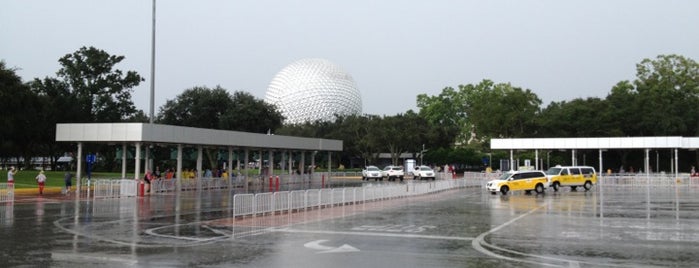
[[423, 172], [371, 172], [526, 180], [572, 176], [392, 173]]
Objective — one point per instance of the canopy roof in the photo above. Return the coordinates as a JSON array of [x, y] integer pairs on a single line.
[[596, 143], [168, 134]]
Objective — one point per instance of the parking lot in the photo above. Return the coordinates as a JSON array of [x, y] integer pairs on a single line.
[[609, 226]]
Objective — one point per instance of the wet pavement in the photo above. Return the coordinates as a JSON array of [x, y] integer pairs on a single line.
[[606, 227]]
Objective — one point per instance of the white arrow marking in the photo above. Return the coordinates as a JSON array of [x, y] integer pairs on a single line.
[[326, 249]]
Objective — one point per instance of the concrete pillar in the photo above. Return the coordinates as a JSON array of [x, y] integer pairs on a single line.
[[646, 163], [600, 171], [124, 153], [137, 162], [146, 163], [512, 160], [247, 155], [79, 161], [676, 165], [270, 168], [261, 163], [179, 167], [302, 164], [536, 157], [573, 160], [229, 169], [200, 159], [330, 164], [291, 158]]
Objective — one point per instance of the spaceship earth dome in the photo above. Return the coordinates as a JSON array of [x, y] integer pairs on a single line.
[[313, 89]]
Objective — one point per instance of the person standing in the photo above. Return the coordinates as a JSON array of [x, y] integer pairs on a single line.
[[41, 180], [11, 176], [68, 181]]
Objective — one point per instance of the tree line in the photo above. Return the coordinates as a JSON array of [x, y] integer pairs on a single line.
[[454, 126]]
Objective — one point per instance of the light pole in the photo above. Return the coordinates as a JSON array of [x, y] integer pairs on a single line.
[[548, 163], [152, 70]]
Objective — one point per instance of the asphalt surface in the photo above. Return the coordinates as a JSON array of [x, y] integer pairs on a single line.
[[605, 227]]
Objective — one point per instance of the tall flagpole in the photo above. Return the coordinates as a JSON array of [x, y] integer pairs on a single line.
[[152, 70]]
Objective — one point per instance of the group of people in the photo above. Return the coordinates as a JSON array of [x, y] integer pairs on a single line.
[[41, 180]]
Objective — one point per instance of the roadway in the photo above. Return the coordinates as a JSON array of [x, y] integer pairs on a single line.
[[606, 227]]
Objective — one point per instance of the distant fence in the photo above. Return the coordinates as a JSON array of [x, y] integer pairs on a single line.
[[290, 201], [7, 192]]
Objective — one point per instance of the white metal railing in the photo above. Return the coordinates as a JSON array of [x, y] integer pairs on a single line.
[[644, 180], [287, 201], [110, 188], [7, 192]]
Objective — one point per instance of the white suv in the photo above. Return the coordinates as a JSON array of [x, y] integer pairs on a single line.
[[371, 172], [392, 173], [423, 172]]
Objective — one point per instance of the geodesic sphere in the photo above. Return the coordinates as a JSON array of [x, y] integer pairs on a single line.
[[313, 89]]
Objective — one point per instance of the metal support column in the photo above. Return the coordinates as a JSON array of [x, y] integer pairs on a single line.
[[123, 160], [200, 160], [179, 168], [79, 161], [137, 162]]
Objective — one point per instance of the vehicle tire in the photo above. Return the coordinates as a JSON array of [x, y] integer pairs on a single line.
[[556, 185], [504, 190], [401, 178], [434, 178], [527, 192], [493, 193], [376, 179], [573, 188], [587, 185], [539, 188], [363, 178]]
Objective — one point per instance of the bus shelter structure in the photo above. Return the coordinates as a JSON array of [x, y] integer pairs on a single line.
[[647, 144], [143, 135]]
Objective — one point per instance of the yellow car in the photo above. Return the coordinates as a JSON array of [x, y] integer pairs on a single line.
[[527, 180], [572, 176]]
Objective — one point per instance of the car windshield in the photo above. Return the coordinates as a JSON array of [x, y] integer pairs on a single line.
[[505, 176], [423, 168], [396, 168], [372, 169], [553, 171]]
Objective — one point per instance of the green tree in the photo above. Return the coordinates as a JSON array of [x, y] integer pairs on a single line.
[[250, 114], [448, 111], [197, 107], [501, 110], [19, 116], [102, 93], [589, 117]]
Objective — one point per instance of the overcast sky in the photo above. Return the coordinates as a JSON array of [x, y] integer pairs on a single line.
[[395, 50]]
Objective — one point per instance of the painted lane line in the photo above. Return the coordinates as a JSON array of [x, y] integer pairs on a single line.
[[436, 237], [478, 242], [326, 249]]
